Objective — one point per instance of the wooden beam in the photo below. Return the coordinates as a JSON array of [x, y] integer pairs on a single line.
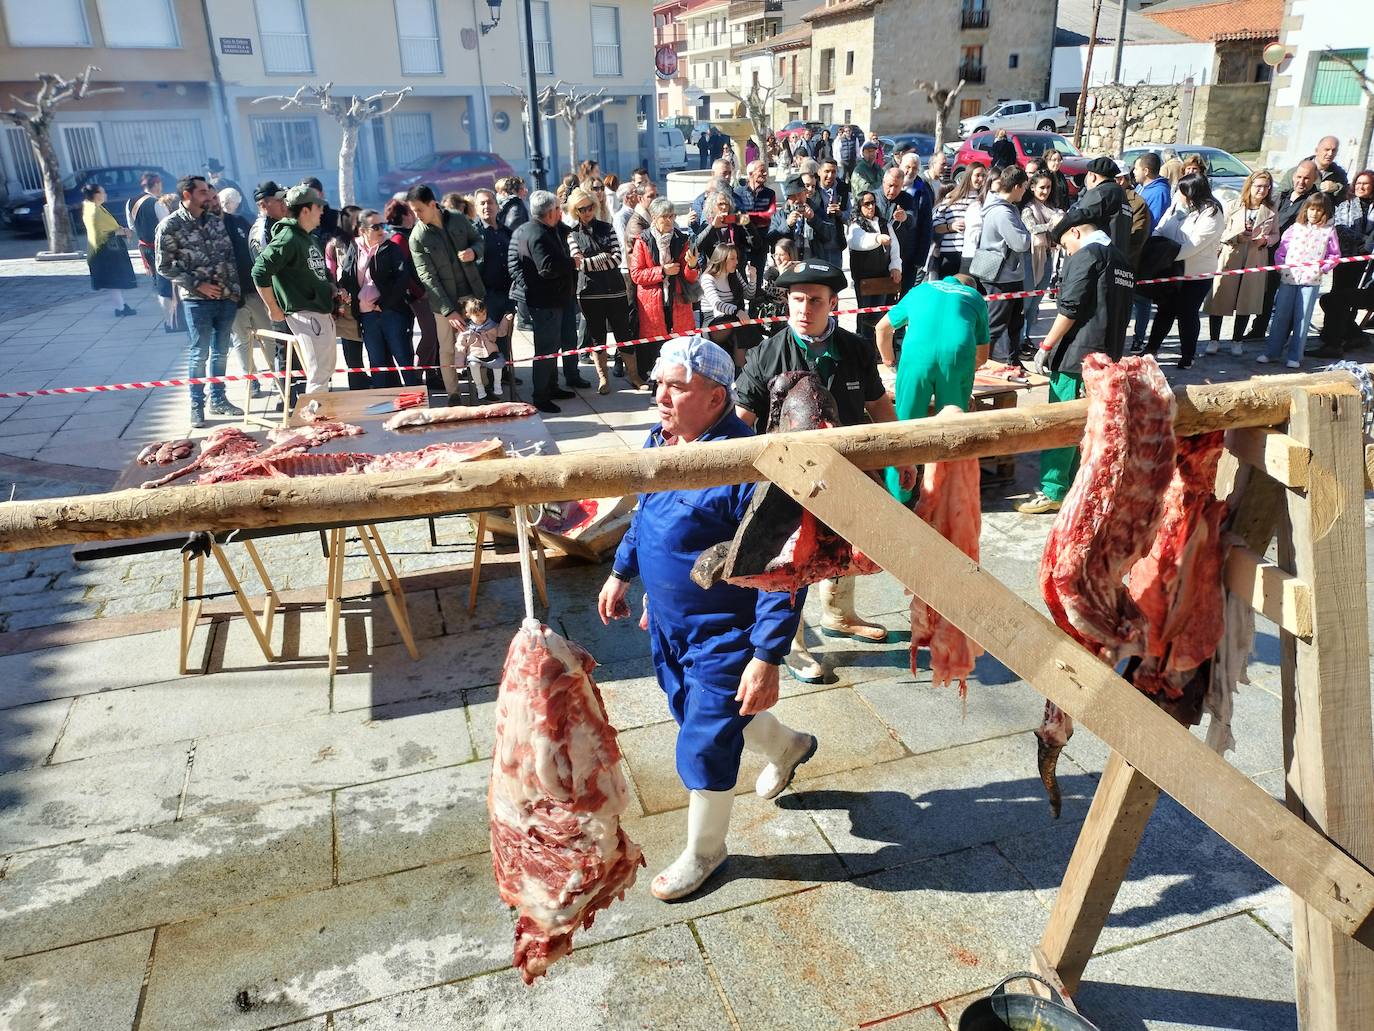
[[500, 483], [1121, 808], [1330, 750], [1046, 658], [1273, 452], [1279, 596]]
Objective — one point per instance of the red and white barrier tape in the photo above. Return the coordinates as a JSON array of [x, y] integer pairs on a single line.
[[187, 381]]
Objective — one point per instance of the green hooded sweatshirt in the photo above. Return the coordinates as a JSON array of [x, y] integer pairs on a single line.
[[292, 264]]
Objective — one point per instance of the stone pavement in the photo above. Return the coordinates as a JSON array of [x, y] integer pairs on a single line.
[[259, 846]]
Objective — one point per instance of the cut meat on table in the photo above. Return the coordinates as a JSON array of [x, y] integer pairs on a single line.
[[458, 413], [161, 452], [287, 464], [1107, 523], [220, 445], [780, 546], [556, 798], [950, 502], [301, 438], [1177, 586]]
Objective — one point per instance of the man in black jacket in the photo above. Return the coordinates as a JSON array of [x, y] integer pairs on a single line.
[[1352, 284], [832, 197], [1095, 294], [546, 274], [1002, 151], [899, 208]]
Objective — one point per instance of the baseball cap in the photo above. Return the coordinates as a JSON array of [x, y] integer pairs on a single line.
[[793, 185], [268, 188], [869, 145], [301, 196]]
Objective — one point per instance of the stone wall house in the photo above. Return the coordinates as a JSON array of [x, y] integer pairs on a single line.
[[868, 54]]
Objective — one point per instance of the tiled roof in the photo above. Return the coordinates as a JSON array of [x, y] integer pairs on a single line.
[[1075, 22], [837, 9], [790, 39], [1209, 20]]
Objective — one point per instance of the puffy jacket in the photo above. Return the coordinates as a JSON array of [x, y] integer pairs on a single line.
[[434, 249]]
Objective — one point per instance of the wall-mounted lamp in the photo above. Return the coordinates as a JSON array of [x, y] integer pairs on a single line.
[[495, 7]]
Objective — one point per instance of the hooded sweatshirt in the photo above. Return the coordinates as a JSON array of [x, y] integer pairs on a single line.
[[292, 264]]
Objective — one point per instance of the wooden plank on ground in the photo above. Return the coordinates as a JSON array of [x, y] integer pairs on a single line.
[[1278, 595], [1041, 654], [1327, 698]]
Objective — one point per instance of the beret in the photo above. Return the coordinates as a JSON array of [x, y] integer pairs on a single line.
[[813, 270]]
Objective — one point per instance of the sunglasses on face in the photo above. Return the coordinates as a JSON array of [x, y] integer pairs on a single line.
[[586, 209], [869, 204], [378, 225], [598, 187]]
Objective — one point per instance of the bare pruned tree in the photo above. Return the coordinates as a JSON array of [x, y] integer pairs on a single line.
[[35, 118], [943, 101], [758, 108], [547, 109], [350, 114], [570, 106]]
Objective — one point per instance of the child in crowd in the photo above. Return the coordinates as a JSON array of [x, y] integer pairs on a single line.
[[1310, 245], [479, 342], [724, 293]]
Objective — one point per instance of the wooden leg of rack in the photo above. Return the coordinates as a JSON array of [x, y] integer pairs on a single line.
[[191, 605], [392, 591], [334, 594], [269, 611], [477, 545], [235, 585]]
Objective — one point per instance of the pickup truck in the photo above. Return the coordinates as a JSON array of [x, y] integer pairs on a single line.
[[1016, 114]]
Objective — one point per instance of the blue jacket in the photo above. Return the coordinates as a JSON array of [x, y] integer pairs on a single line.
[[670, 529], [1156, 195]]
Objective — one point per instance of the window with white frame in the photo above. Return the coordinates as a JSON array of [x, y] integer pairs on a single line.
[[53, 23], [285, 38], [605, 39], [417, 27], [543, 37], [412, 136], [286, 144], [138, 23]]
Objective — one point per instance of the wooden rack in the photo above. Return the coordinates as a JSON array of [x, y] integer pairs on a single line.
[[1298, 438]]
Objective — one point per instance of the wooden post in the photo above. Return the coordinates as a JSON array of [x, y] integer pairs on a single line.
[[1330, 753]]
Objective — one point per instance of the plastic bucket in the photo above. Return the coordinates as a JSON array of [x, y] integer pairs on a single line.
[[1003, 1011]]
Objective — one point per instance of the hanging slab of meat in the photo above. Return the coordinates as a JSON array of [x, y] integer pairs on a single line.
[[779, 545], [1107, 524], [224, 444], [950, 503], [285, 464], [556, 798], [1178, 585], [438, 416]]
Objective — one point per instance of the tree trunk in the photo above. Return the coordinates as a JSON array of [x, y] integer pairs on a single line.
[[59, 219], [572, 146], [941, 117], [348, 146]]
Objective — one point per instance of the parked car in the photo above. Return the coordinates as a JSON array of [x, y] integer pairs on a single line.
[[24, 211], [671, 149], [837, 126], [1028, 145], [798, 127], [444, 171], [924, 143], [1225, 172], [1016, 114]]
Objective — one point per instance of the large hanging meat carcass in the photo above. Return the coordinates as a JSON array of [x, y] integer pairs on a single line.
[[556, 797], [780, 546]]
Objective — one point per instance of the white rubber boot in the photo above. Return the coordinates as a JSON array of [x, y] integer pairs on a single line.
[[800, 662], [708, 818], [784, 748], [838, 618]]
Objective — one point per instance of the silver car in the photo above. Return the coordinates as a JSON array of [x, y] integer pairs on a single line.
[[1225, 172]]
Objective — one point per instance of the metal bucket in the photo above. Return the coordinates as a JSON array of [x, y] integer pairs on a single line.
[[1002, 1011]]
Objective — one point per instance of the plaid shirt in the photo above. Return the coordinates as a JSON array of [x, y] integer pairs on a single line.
[[192, 251]]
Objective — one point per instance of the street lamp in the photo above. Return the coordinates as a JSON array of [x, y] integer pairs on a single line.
[[495, 7]]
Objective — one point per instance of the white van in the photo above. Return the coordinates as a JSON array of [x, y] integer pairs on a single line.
[[672, 149]]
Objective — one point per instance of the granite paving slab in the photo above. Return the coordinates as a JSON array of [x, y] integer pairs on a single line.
[[654, 980], [28, 733], [1237, 977], [388, 675], [849, 953], [93, 987], [163, 874], [299, 957], [927, 1018], [849, 736], [325, 752], [884, 815], [68, 801]]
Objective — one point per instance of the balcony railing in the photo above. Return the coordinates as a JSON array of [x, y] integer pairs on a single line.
[[670, 35], [284, 52], [974, 18], [606, 59], [420, 55], [543, 56], [972, 72]]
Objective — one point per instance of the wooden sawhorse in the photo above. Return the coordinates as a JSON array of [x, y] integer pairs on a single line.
[[192, 601], [392, 591]]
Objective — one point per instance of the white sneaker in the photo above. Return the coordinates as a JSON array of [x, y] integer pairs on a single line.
[[1293, 365], [1237, 350], [1212, 347], [1263, 359], [777, 775]]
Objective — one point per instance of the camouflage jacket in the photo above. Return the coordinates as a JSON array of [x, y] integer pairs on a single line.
[[192, 251]]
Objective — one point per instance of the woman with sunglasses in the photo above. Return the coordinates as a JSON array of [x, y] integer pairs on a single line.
[[600, 286], [379, 278], [595, 187], [875, 261]]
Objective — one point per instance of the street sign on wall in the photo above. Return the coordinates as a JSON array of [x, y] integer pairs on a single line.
[[235, 45], [665, 61]]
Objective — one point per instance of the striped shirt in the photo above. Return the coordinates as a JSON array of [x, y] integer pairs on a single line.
[[946, 215]]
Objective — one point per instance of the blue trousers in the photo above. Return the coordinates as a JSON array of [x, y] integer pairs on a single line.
[[386, 335], [1293, 307], [1140, 307], [1031, 283], [209, 326]]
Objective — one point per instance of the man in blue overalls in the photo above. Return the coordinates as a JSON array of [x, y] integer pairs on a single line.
[[716, 652]]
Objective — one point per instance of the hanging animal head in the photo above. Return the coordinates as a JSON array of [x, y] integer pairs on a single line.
[[797, 401]]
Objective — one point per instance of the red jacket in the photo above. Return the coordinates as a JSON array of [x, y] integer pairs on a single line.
[[646, 269]]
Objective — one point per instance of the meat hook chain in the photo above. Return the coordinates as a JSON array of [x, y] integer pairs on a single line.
[[1366, 383], [522, 534]]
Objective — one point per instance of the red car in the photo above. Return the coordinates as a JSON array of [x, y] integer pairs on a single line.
[[798, 128], [448, 170], [1028, 145]]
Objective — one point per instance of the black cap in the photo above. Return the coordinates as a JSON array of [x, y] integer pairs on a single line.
[[813, 270], [267, 189], [1105, 167], [793, 185], [1096, 207]]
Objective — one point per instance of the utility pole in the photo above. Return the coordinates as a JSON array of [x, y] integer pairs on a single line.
[[1120, 44], [1087, 71], [535, 122]]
